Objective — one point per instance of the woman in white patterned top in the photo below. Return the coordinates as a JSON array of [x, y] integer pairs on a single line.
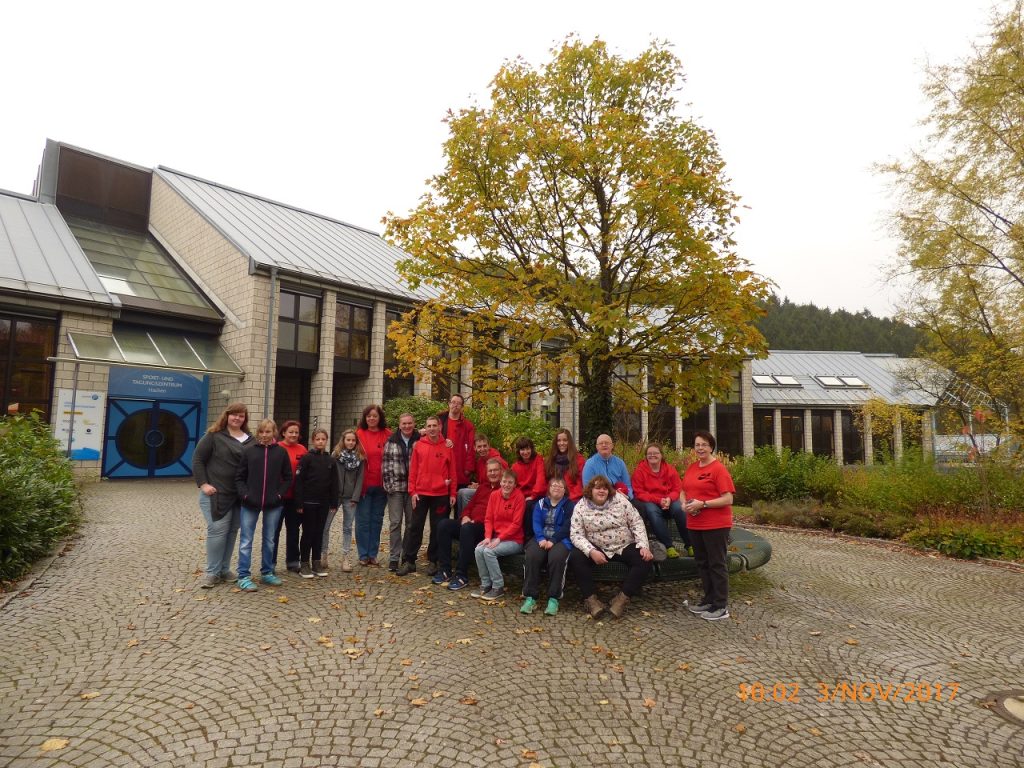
[[605, 527]]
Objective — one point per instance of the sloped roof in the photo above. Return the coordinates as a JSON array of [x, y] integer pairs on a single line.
[[879, 372], [39, 255], [273, 234]]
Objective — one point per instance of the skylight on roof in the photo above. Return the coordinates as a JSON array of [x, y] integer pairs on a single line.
[[841, 382], [763, 381], [787, 381], [774, 380], [853, 381]]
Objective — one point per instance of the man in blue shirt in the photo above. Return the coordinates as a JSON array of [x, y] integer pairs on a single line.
[[604, 462]]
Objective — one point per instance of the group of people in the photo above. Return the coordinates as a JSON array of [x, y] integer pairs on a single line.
[[557, 509]]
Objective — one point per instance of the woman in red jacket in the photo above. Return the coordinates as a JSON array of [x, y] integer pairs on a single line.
[[656, 489], [530, 479], [503, 535], [373, 432], [432, 489], [563, 460]]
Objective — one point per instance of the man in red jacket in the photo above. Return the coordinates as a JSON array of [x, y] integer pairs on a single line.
[[459, 434], [484, 453], [431, 491]]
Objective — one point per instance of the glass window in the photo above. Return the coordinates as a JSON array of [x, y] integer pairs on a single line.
[[830, 381], [361, 318], [360, 349], [852, 381], [341, 343], [793, 430], [286, 335], [288, 304], [298, 326], [764, 428], [822, 433], [309, 310], [138, 348], [352, 332], [26, 378], [307, 341], [787, 381], [853, 440], [763, 381], [729, 428]]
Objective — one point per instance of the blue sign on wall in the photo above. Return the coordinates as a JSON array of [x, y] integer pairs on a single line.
[[155, 385]]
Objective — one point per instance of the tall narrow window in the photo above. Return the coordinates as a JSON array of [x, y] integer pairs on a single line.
[[353, 324], [26, 378], [401, 386], [298, 331]]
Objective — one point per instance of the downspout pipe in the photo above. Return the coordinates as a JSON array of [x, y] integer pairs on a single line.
[[270, 341]]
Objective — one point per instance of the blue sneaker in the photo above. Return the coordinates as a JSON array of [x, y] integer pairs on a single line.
[[457, 583], [247, 585], [441, 577], [271, 579]]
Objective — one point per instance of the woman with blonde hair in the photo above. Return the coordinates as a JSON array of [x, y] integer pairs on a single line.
[[350, 462], [214, 463]]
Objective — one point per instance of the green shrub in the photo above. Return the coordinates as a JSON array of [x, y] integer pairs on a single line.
[[969, 540], [771, 476], [39, 502], [501, 426]]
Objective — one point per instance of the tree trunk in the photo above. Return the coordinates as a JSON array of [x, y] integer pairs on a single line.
[[595, 403]]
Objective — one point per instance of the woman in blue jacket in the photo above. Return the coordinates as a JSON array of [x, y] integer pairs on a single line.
[[549, 546]]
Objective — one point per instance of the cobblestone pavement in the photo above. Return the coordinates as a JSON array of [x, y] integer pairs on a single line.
[[115, 649]]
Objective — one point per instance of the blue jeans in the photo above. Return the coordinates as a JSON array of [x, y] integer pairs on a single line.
[[370, 521], [220, 536], [655, 517], [487, 564], [348, 516], [271, 517]]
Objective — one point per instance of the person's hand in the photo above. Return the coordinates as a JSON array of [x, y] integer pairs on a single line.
[[466, 520], [449, 443], [208, 489], [598, 556], [666, 503], [645, 553], [483, 543], [473, 486], [693, 506], [545, 544], [493, 543], [298, 510], [414, 498]]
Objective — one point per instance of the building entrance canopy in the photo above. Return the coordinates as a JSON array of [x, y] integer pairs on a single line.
[[160, 350]]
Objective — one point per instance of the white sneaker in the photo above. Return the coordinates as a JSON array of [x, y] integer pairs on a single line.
[[716, 615]]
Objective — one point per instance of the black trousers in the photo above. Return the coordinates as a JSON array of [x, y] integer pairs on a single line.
[[528, 520], [711, 551], [583, 569], [291, 521], [314, 517], [557, 561], [437, 509], [467, 534]]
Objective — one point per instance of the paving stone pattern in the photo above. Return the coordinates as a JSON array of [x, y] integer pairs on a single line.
[[366, 669]]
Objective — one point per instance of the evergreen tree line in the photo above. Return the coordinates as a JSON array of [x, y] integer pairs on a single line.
[[806, 326]]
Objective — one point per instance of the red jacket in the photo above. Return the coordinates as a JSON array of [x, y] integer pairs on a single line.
[[476, 509], [295, 452], [373, 447], [505, 516], [648, 486], [462, 433], [432, 469], [530, 478], [481, 464]]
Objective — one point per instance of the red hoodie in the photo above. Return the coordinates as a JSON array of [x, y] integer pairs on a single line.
[[373, 447], [432, 469], [476, 509], [530, 478], [505, 516], [648, 486], [481, 464]]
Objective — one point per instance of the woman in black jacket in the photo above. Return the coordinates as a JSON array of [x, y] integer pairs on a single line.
[[316, 494], [214, 464], [262, 479]]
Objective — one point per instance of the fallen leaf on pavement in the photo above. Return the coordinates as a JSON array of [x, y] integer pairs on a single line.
[[740, 728], [851, 641], [51, 745], [314, 619], [133, 642], [418, 702], [283, 599], [649, 703], [88, 695], [469, 700], [528, 754]]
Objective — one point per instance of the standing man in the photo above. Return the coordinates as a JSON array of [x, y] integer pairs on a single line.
[[604, 462], [397, 455], [460, 435], [484, 453], [431, 491]]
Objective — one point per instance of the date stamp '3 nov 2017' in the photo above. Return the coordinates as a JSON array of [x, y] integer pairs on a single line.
[[867, 691]]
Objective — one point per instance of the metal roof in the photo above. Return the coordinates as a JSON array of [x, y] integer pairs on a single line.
[[39, 255], [277, 235], [879, 372]]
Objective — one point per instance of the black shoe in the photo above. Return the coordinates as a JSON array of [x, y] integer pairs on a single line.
[[393, 566], [406, 569]]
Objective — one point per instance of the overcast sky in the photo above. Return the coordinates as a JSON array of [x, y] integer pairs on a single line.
[[337, 107]]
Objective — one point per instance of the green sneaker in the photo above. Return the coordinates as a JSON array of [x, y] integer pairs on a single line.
[[552, 608], [671, 553], [529, 605], [271, 579], [247, 585]]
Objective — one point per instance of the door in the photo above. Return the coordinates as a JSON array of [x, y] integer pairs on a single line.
[[150, 438]]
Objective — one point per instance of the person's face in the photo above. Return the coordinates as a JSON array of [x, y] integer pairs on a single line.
[[600, 494], [455, 406], [604, 446], [526, 454], [508, 484], [236, 420], [350, 441], [319, 441], [406, 425], [372, 419], [265, 435], [654, 457], [556, 491], [482, 449], [291, 435], [562, 441], [433, 429], [702, 447], [493, 474]]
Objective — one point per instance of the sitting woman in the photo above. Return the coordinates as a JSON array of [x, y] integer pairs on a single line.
[[503, 535], [550, 546], [606, 526], [656, 489]]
